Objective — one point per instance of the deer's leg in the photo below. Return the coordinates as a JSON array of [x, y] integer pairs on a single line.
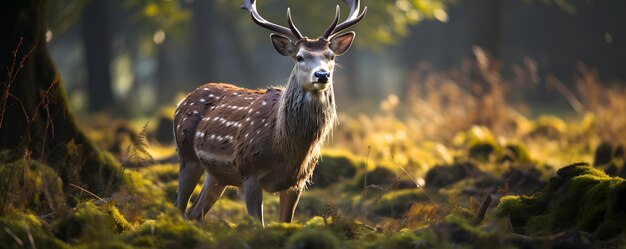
[[288, 203], [188, 177], [254, 197], [211, 191]]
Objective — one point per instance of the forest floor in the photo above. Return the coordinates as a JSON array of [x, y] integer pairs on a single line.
[[445, 168]]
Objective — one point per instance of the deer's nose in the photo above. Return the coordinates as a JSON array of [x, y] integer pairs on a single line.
[[322, 74]]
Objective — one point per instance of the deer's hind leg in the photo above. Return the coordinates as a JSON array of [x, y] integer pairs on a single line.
[[188, 177], [210, 193], [254, 197]]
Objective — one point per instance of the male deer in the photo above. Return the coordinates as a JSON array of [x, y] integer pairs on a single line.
[[262, 139]]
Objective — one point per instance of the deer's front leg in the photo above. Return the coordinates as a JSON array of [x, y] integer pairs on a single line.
[[254, 197], [288, 203]]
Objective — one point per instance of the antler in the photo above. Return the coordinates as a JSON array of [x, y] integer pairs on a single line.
[[250, 5], [353, 18]]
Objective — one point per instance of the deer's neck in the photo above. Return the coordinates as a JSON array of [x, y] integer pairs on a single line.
[[303, 118]]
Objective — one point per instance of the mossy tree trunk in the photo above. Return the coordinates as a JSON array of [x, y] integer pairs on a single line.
[[35, 121]]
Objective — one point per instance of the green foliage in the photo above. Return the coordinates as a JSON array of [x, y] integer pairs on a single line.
[[89, 223], [335, 166], [445, 175], [160, 14], [19, 228], [385, 24], [394, 204], [168, 232], [403, 239], [580, 197], [549, 126], [312, 238], [29, 184]]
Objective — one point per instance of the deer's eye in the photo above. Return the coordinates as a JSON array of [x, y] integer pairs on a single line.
[[299, 58]]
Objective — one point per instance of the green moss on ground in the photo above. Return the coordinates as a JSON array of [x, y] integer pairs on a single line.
[[335, 166], [445, 175], [401, 239], [548, 126], [579, 197], [89, 223], [395, 204], [516, 153], [168, 232], [18, 227], [312, 238]]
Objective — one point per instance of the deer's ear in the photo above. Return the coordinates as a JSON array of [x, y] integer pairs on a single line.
[[341, 43], [283, 44]]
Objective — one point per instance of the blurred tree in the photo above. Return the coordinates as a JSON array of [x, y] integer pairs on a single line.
[[34, 118], [96, 34], [569, 6], [204, 22]]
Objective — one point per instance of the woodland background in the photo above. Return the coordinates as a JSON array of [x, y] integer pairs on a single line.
[[478, 124]]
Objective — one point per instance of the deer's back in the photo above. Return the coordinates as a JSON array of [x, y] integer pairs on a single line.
[[218, 122]]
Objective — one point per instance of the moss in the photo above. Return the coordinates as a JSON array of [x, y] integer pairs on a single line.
[[312, 238], [483, 151], [526, 179], [549, 126], [402, 239], [445, 175], [21, 226], [516, 153], [610, 158], [316, 221], [604, 154], [396, 203], [274, 235], [380, 177], [169, 232], [579, 197], [480, 142], [30, 184], [90, 223], [165, 124], [120, 224], [335, 166], [312, 203]]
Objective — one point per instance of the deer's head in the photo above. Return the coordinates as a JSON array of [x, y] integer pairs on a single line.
[[314, 58]]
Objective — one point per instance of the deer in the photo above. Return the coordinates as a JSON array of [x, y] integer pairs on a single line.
[[262, 140]]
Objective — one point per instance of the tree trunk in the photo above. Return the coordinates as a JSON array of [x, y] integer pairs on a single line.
[[203, 45], [97, 39], [35, 120], [484, 25]]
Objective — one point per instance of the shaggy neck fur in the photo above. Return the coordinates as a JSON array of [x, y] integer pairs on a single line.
[[303, 120]]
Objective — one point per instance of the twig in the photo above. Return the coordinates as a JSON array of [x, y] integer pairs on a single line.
[[14, 236], [480, 215], [88, 192], [6, 192], [131, 164], [30, 238], [567, 93], [417, 184], [12, 75], [367, 161]]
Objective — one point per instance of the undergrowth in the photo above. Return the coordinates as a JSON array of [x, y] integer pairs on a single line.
[[453, 163]]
